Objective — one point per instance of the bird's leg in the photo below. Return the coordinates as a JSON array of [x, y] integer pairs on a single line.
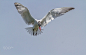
[[33, 31], [36, 32]]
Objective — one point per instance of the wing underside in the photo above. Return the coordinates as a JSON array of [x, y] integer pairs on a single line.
[[54, 13], [24, 13]]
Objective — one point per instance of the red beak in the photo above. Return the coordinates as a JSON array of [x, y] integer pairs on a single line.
[[40, 28]]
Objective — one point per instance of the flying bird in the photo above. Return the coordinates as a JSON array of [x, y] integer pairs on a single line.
[[37, 24]]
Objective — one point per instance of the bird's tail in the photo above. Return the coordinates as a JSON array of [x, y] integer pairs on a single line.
[[32, 32]]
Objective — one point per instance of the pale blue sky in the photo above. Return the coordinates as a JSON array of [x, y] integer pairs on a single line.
[[66, 35]]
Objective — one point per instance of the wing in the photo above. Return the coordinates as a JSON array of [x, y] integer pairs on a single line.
[[53, 14], [24, 13]]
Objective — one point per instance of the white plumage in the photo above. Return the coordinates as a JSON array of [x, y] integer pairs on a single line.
[[37, 24]]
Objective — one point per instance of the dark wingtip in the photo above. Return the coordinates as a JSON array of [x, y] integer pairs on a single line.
[[71, 8]]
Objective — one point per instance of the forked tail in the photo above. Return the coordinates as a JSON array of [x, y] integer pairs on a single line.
[[32, 32]]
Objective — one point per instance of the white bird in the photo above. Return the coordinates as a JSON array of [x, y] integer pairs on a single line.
[[37, 24]]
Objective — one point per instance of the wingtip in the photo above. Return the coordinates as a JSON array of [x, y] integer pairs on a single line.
[[72, 8]]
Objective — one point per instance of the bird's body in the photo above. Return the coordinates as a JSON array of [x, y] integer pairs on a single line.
[[37, 24]]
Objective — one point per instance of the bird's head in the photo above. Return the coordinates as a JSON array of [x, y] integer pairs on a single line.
[[39, 24]]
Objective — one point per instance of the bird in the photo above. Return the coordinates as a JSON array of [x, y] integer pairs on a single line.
[[37, 24]]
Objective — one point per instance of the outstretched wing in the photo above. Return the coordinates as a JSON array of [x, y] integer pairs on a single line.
[[53, 14], [24, 13]]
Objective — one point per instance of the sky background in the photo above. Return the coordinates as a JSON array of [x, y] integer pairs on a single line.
[[66, 35]]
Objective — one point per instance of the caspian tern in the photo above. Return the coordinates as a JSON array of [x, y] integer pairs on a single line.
[[37, 24]]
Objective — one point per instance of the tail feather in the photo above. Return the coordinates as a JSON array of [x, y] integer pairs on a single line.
[[30, 30]]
